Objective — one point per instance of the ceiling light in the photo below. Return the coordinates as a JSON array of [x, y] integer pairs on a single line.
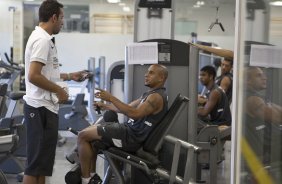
[[276, 3], [126, 9], [113, 1], [200, 3]]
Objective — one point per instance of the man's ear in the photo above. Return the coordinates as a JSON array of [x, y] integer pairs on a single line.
[[54, 17], [163, 78], [211, 77]]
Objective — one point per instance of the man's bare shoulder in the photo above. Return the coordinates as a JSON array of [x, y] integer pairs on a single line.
[[255, 101], [155, 97]]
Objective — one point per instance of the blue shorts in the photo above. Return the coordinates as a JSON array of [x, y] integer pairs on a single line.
[[42, 135]]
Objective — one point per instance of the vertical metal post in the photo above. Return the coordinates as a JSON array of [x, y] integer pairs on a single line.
[[136, 17], [237, 103], [12, 10], [188, 167], [193, 96], [102, 63], [174, 166], [128, 80], [172, 23], [91, 87]]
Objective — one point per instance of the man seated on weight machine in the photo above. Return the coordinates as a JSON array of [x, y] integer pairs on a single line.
[[224, 81], [143, 113], [214, 109], [262, 123]]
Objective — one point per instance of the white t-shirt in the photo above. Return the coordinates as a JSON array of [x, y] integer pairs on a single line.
[[40, 48]]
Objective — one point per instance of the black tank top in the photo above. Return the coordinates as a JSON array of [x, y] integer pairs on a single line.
[[221, 114], [259, 133], [140, 129], [229, 91]]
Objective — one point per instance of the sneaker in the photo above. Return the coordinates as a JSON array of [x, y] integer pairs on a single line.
[[95, 179]]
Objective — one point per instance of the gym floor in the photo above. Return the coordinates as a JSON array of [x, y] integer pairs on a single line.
[[62, 166]]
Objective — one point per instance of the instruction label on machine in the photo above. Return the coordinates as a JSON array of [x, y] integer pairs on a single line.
[[266, 56], [164, 52], [142, 53]]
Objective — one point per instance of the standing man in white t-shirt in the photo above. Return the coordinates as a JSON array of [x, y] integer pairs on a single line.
[[43, 95]]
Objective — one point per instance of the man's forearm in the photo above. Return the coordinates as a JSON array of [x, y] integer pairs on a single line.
[[202, 111], [42, 82], [112, 108], [122, 107], [66, 76]]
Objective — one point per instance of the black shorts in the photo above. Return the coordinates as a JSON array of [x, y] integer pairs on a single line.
[[116, 134], [42, 135]]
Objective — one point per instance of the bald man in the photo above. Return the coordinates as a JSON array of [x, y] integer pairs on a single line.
[[263, 118], [143, 114]]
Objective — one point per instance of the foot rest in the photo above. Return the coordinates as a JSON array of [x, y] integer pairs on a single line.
[[151, 161]]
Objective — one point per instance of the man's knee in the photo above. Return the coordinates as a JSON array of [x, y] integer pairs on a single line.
[[88, 134], [80, 136]]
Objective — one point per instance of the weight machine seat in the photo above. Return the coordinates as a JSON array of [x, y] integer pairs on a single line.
[[146, 158], [211, 139], [3, 89], [16, 96], [213, 131], [225, 134], [117, 72], [8, 144], [3, 93]]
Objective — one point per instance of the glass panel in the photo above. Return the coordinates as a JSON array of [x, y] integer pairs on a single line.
[[76, 18], [201, 22], [261, 141], [185, 27], [193, 18]]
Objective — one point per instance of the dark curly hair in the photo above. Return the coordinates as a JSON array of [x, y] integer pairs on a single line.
[[229, 60], [210, 70]]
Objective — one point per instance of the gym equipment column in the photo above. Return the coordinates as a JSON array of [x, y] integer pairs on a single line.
[[100, 74], [182, 79], [154, 22], [153, 19]]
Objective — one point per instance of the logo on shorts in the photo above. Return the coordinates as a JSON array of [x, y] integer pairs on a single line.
[[31, 115], [148, 123], [131, 121], [104, 129]]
